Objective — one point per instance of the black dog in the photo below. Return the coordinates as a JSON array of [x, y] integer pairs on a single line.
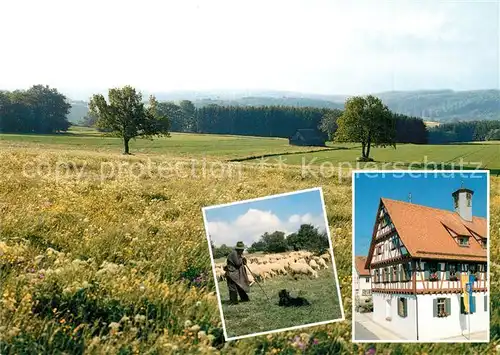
[[288, 301]]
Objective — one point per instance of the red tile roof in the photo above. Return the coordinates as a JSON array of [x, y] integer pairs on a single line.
[[360, 262], [423, 233]]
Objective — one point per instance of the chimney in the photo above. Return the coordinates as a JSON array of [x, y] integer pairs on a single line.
[[462, 199]]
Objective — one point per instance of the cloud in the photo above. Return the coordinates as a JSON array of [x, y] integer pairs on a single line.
[[251, 225]]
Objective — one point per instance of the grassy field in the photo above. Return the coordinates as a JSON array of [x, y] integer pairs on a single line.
[[121, 265], [484, 155], [261, 315]]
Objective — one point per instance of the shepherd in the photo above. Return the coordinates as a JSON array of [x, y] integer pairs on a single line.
[[236, 275]]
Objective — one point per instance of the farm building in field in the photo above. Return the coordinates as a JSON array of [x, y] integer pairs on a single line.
[[361, 280], [307, 137], [416, 258]]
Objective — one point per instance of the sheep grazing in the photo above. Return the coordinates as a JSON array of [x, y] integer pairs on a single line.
[[302, 269], [278, 268], [325, 257], [321, 262], [271, 265], [313, 265]]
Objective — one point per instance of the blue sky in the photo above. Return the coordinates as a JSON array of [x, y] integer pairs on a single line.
[[431, 190], [249, 220], [311, 46]]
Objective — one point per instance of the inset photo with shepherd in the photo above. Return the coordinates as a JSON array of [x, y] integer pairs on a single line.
[[273, 263]]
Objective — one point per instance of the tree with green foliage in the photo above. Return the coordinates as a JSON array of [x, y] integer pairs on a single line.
[[328, 123], [175, 116], [40, 109], [257, 246], [274, 242], [493, 135], [188, 111], [368, 121], [309, 238], [222, 251], [126, 115]]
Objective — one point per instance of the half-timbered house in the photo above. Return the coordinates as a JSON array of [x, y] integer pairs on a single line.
[[416, 258]]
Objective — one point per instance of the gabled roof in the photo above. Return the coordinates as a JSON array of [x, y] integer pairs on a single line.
[[310, 134], [359, 263], [424, 231]]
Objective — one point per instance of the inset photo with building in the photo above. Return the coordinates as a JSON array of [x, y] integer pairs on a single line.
[[420, 256], [273, 263]]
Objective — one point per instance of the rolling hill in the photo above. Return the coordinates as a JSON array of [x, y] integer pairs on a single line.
[[439, 106]]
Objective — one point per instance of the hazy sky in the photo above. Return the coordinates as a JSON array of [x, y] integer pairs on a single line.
[[312, 46]]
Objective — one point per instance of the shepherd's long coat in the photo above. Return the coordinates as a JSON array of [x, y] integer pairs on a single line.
[[236, 271]]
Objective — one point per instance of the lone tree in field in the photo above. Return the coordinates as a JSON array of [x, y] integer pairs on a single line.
[[127, 116], [368, 121]]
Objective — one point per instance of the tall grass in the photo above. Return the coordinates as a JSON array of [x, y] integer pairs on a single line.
[[121, 265]]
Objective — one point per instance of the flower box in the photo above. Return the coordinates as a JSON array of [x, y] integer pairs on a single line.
[[433, 277], [453, 278], [443, 314]]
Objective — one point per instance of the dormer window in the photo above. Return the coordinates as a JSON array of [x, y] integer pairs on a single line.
[[463, 241], [482, 241], [469, 199]]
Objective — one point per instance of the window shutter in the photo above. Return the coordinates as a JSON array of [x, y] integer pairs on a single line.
[[448, 306], [485, 303], [405, 305], [473, 305], [435, 307], [458, 270], [408, 271], [462, 306], [426, 271]]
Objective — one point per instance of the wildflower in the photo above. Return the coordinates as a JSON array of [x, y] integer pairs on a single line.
[[124, 319], [95, 340], [202, 334], [371, 351], [139, 318], [114, 325], [198, 303], [315, 341], [13, 331], [187, 324], [195, 328]]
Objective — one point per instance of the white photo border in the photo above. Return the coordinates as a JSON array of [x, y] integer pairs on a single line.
[[426, 172], [212, 260]]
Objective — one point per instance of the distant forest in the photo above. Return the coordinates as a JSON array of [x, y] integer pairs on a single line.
[[473, 131], [270, 121], [443, 106], [44, 110]]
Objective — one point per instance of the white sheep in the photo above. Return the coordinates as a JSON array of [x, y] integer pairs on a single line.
[[321, 262], [304, 269], [314, 265]]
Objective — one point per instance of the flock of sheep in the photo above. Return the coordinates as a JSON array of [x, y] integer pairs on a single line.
[[270, 265]]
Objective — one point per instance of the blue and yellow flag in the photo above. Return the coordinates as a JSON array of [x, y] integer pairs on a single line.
[[465, 279]]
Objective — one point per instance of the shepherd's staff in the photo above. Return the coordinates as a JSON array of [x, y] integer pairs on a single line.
[[255, 278]]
